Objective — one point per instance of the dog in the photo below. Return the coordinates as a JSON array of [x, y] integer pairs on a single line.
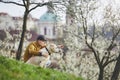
[[43, 61]]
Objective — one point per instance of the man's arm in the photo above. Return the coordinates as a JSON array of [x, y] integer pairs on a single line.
[[33, 51]]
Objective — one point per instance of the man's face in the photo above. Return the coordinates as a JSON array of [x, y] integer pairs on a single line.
[[42, 43]]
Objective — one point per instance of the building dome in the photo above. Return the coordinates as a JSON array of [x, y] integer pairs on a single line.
[[49, 17]]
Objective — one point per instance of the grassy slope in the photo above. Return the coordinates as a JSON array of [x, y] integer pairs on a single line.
[[14, 70]]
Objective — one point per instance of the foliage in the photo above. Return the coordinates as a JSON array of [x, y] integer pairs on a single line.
[[92, 26], [14, 70]]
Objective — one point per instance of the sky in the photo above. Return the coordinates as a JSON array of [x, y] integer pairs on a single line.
[[17, 11]]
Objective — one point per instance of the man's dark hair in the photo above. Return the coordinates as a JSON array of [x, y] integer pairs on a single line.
[[41, 37]]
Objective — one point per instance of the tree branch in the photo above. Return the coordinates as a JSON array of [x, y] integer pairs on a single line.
[[11, 2], [111, 46], [105, 64], [24, 4], [85, 32], [38, 5]]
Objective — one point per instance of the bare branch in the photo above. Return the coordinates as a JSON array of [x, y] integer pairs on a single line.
[[24, 3], [39, 5], [106, 57], [103, 58], [11, 2], [85, 32], [93, 35], [111, 46], [112, 60]]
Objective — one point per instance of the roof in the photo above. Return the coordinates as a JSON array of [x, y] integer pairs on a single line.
[[2, 13], [49, 17]]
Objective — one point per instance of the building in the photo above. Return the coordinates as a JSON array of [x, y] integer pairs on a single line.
[[50, 25], [18, 22], [6, 21]]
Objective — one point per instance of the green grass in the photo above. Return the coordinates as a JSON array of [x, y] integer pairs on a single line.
[[16, 70]]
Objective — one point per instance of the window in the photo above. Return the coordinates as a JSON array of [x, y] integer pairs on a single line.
[[45, 31], [54, 30]]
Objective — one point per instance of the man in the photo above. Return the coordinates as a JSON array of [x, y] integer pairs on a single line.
[[33, 49]]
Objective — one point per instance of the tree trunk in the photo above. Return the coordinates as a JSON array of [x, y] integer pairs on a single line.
[[19, 51], [116, 70], [101, 74]]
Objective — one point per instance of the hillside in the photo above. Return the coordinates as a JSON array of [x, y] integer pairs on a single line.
[[15, 70]]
